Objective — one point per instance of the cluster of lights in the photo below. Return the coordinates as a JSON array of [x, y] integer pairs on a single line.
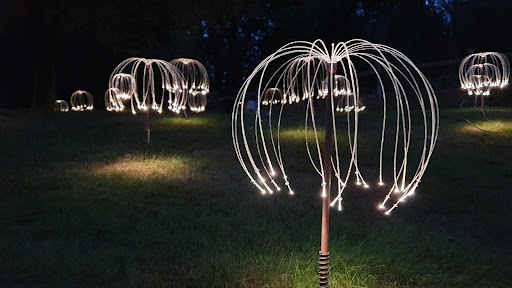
[[480, 72], [309, 69], [81, 101], [61, 106], [196, 84]]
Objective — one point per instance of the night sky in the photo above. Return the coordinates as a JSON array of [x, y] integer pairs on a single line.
[[52, 48]]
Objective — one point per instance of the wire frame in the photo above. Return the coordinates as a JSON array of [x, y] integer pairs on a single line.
[[480, 72], [148, 75], [196, 85], [61, 106], [305, 71], [81, 101]]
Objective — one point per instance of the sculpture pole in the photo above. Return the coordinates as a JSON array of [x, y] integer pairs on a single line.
[[324, 242]]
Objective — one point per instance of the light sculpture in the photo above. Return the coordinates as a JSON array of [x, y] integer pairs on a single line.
[[307, 71], [196, 84], [480, 73], [113, 100], [138, 79], [125, 85], [273, 96], [298, 72], [81, 101], [146, 76], [61, 106]]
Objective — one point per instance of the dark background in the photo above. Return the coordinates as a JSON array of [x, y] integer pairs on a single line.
[[51, 48]]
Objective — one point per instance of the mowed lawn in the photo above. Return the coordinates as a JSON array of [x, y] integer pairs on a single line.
[[84, 203]]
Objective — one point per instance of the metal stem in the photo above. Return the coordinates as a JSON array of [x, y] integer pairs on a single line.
[[324, 243]]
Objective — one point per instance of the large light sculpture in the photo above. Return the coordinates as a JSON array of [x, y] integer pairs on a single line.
[[61, 106], [307, 71], [81, 101], [196, 83], [146, 83]]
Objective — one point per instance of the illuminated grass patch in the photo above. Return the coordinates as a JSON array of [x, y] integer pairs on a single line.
[[163, 168]]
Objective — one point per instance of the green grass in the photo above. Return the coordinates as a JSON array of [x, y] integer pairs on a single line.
[[84, 204]]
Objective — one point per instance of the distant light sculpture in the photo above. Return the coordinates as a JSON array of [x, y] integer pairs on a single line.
[[81, 101], [61, 106], [125, 85], [273, 96], [480, 73], [307, 71], [196, 84], [146, 76], [297, 72], [139, 79], [113, 100]]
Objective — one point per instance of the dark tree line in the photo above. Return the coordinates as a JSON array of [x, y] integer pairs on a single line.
[[52, 47]]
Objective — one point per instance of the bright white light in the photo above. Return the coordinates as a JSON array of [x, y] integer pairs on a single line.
[[81, 101], [310, 72]]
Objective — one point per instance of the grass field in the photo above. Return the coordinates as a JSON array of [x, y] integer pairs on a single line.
[[83, 203]]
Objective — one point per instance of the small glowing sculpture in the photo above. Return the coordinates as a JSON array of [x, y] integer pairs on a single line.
[[196, 84], [139, 84], [136, 79], [307, 71], [273, 96], [81, 101], [481, 72], [125, 84], [114, 100], [298, 72], [61, 106]]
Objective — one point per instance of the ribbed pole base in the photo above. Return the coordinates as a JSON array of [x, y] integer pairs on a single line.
[[323, 270]]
